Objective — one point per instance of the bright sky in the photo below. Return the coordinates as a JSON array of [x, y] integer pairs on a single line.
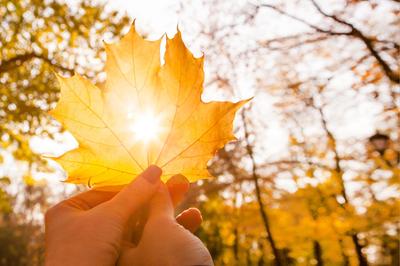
[[156, 17], [153, 16]]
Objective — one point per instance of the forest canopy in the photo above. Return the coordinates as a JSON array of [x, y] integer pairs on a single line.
[[313, 178]]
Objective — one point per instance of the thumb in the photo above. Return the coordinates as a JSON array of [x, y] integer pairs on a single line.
[[137, 193]]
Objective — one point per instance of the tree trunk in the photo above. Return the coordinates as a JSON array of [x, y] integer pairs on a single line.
[[318, 253], [395, 255], [362, 261], [236, 244], [361, 258], [263, 213], [346, 261]]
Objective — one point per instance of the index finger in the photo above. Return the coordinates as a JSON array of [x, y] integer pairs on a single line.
[[89, 199]]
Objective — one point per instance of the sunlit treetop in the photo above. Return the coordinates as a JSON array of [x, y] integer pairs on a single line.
[[36, 38]]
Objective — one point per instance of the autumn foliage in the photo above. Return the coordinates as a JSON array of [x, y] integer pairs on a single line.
[[312, 177]]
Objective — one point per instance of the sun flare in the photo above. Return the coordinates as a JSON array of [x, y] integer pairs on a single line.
[[146, 127]]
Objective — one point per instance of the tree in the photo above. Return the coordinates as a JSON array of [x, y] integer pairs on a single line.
[[37, 38], [302, 185], [375, 45], [317, 67]]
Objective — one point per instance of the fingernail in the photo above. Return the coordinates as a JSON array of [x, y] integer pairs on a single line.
[[152, 174], [177, 180]]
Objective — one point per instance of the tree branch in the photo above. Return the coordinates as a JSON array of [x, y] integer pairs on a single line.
[[261, 207], [18, 60], [15, 62], [354, 235], [354, 32], [282, 12], [335, 18], [368, 42], [313, 39], [296, 162]]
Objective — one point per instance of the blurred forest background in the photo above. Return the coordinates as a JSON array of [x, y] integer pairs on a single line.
[[314, 178]]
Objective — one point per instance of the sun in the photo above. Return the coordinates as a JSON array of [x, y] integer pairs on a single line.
[[146, 127]]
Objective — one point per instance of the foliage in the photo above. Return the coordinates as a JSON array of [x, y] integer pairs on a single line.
[[325, 78], [144, 114], [36, 38], [318, 195]]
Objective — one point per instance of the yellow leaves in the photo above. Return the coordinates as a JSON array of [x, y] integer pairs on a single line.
[[390, 155], [395, 178], [29, 180], [310, 172], [146, 113]]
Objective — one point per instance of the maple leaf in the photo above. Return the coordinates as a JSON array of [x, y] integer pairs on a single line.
[[145, 113]]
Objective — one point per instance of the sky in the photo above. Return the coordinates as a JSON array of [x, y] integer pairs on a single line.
[[155, 17]]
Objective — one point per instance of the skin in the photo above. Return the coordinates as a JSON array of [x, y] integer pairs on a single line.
[[135, 226]]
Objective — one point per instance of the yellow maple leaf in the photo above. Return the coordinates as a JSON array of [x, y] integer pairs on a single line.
[[145, 113]]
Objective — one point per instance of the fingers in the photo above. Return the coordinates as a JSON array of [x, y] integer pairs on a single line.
[[190, 219], [137, 193], [177, 185], [168, 196], [88, 199], [161, 204]]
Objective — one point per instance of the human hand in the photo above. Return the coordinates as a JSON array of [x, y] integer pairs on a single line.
[[166, 240], [102, 228]]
